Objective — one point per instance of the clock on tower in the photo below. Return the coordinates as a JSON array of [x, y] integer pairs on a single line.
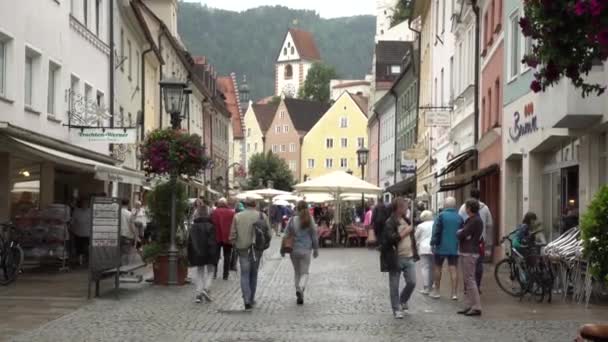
[[289, 90]]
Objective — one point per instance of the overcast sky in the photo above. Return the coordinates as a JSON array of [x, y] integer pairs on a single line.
[[326, 8]]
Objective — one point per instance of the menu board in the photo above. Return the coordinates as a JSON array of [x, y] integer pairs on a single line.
[[105, 234]]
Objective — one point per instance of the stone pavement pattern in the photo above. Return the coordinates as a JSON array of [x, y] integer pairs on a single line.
[[346, 300]]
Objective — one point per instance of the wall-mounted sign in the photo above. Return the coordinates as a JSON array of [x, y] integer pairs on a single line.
[[437, 119], [523, 125], [408, 168], [414, 153], [106, 135]]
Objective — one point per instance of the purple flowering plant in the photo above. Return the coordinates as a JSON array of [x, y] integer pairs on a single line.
[[569, 38], [166, 152]]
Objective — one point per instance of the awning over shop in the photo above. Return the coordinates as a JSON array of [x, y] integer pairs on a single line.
[[102, 171], [456, 162], [460, 181], [403, 187]]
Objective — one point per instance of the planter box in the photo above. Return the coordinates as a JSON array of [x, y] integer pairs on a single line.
[[161, 270]]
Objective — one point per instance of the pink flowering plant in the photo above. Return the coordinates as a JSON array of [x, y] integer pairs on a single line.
[[166, 152], [569, 37]]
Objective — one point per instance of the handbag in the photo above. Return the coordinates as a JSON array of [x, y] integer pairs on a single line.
[[287, 244], [371, 238], [234, 257]]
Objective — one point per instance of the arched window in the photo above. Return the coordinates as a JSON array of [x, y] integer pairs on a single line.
[[293, 50], [288, 72]]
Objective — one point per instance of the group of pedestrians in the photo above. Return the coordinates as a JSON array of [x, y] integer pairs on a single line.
[[244, 236], [455, 235]]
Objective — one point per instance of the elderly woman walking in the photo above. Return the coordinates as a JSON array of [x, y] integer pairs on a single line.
[[303, 230], [202, 252], [423, 234], [468, 248]]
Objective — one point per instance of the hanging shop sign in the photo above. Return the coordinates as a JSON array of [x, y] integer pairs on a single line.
[[523, 125], [414, 153], [105, 135], [437, 119], [105, 234], [408, 168]]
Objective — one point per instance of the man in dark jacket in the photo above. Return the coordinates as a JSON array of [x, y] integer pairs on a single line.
[[381, 213], [398, 255], [203, 253], [468, 247]]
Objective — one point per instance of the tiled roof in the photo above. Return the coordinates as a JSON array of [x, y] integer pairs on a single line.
[[305, 114], [227, 87], [264, 113], [305, 43], [362, 102], [391, 51]]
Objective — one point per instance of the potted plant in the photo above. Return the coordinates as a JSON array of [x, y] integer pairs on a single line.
[[595, 235], [159, 206], [173, 154]]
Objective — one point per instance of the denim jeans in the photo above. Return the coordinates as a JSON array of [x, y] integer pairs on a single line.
[[408, 269], [249, 274]]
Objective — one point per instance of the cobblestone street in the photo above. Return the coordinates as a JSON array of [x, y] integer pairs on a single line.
[[346, 300]]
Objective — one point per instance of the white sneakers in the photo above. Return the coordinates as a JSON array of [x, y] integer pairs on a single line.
[[398, 315], [434, 294], [424, 292]]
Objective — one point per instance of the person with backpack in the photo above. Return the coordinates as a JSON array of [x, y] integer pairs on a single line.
[[303, 230], [250, 234], [203, 252]]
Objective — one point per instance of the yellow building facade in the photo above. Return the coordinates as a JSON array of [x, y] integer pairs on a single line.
[[333, 141]]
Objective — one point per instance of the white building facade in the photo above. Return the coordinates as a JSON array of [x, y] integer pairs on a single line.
[[297, 55], [385, 109]]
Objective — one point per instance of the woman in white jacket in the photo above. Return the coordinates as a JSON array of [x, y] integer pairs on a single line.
[[423, 234]]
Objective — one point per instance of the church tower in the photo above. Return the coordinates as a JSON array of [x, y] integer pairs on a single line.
[[298, 53]]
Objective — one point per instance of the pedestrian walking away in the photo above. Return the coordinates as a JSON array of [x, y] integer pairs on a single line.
[[486, 242], [423, 234], [129, 237], [444, 244], [243, 235], [222, 218], [468, 249], [203, 253], [303, 230], [398, 255]]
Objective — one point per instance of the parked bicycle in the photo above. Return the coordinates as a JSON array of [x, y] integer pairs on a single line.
[[11, 254], [525, 271]]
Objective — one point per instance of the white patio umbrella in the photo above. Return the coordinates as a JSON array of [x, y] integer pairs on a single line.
[[248, 195], [319, 197], [283, 203], [268, 192], [338, 183], [288, 198]]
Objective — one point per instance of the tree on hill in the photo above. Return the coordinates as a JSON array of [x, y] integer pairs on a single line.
[[264, 167], [316, 86]]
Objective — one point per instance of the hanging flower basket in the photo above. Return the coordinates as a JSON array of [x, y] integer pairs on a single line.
[[569, 37], [167, 152]]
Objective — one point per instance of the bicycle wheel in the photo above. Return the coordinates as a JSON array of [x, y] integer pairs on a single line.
[[11, 264], [507, 277]]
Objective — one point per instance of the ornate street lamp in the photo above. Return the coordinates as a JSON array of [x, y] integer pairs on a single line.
[[173, 97], [362, 154]]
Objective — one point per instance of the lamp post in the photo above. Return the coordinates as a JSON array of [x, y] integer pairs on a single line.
[[173, 95], [227, 194], [362, 154]]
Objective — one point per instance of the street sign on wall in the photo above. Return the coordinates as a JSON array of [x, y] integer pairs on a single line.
[[104, 135], [437, 119], [408, 168]]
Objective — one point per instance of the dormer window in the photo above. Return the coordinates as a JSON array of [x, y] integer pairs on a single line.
[[293, 50], [285, 51]]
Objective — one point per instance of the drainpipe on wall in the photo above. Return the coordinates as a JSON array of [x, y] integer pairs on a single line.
[[477, 62], [160, 91], [378, 162], [143, 97], [111, 66], [417, 73], [397, 157]]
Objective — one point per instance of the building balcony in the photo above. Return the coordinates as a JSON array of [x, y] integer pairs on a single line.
[[564, 106]]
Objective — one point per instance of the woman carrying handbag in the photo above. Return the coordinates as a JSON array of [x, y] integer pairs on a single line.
[[301, 241]]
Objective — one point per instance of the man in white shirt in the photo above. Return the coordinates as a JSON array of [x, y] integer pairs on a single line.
[[127, 232], [139, 219], [80, 227], [486, 234]]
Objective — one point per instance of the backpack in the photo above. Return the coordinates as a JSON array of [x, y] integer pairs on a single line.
[[261, 231]]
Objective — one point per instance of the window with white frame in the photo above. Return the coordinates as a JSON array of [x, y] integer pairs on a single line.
[[248, 147], [137, 68], [282, 115], [360, 142], [329, 163], [277, 129], [329, 143], [275, 148], [514, 43], [255, 147], [248, 132], [3, 63], [52, 88], [285, 129], [122, 50], [343, 122], [31, 61], [97, 16], [344, 142], [130, 56], [85, 11], [343, 163], [311, 163], [283, 148], [292, 165], [526, 50], [292, 147]]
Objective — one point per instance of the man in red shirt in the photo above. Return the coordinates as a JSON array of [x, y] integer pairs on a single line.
[[222, 218]]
